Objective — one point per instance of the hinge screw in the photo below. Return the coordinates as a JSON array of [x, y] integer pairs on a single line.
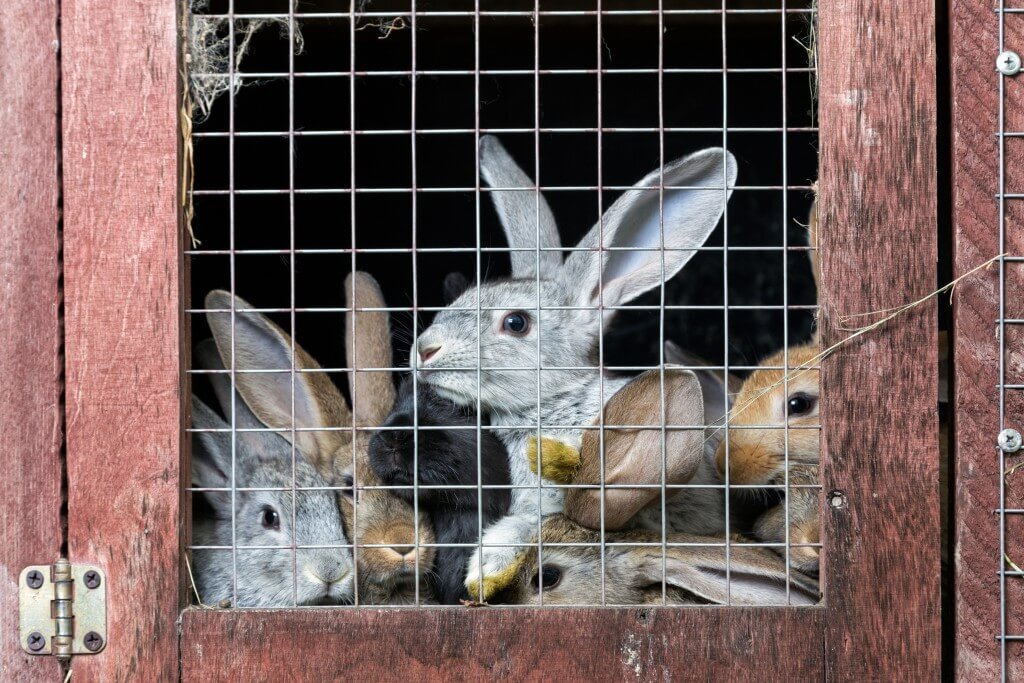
[[837, 499], [1008, 63], [36, 641], [1009, 440], [92, 579], [93, 641], [34, 578]]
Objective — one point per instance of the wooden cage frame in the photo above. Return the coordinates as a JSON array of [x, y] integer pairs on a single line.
[[92, 219]]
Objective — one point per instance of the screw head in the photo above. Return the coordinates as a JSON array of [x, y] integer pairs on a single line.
[[36, 641], [1008, 63], [92, 579], [1009, 440], [93, 641], [837, 499], [34, 578]]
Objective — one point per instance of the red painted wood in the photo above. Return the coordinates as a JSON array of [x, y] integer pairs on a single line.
[[732, 644], [31, 365], [122, 254], [877, 200], [974, 41]]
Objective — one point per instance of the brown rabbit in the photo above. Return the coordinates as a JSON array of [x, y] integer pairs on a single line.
[[634, 574], [757, 456], [381, 526], [633, 456]]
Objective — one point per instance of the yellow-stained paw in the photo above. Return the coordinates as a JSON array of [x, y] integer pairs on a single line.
[[559, 461], [494, 583]]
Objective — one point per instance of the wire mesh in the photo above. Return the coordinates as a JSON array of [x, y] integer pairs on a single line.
[[349, 139]]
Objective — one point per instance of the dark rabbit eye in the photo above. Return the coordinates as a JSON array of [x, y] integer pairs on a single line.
[[517, 323], [547, 579], [348, 491], [270, 519], [800, 404]]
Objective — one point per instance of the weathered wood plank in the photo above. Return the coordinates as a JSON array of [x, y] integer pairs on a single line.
[[879, 424], [122, 258], [974, 41], [31, 365], [733, 644]]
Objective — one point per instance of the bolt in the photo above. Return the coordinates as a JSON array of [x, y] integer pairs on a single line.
[[36, 641], [34, 578], [1008, 63], [837, 499], [93, 641], [1009, 440], [92, 579], [643, 615]]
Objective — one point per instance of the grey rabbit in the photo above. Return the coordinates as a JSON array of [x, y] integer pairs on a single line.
[[444, 458], [264, 577]]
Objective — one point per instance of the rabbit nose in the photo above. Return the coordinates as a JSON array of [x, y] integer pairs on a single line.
[[428, 351], [404, 551]]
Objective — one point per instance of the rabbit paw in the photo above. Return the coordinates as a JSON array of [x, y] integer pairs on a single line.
[[500, 567], [559, 461]]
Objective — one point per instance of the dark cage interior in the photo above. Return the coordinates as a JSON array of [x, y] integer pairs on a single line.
[[352, 143]]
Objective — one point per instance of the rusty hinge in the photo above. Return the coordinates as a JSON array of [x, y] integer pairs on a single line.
[[63, 609]]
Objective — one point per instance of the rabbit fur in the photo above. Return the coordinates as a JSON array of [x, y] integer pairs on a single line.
[[372, 517], [264, 577], [466, 350]]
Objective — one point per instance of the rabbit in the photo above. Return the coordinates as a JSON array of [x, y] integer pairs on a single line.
[[444, 458], [383, 528], [634, 456], [493, 359], [264, 577], [635, 574], [758, 456]]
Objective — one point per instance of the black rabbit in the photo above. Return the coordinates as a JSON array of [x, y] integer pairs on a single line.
[[446, 457]]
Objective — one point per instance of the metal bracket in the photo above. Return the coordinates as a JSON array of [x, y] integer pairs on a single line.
[[62, 609]]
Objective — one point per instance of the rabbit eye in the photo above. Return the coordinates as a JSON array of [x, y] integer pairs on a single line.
[[800, 404], [547, 579], [516, 323], [348, 490], [270, 519]]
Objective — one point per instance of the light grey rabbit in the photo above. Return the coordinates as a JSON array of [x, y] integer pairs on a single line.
[[264, 576], [494, 358]]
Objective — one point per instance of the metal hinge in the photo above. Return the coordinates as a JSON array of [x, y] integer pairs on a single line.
[[63, 609]]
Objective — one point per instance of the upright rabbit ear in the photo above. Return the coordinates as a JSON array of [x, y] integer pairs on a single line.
[[261, 346], [718, 394], [633, 456], [755, 576], [455, 284], [208, 358], [689, 214], [211, 457], [524, 214], [368, 345]]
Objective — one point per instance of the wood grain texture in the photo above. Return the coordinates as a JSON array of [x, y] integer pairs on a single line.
[[503, 644], [122, 257], [879, 423], [31, 425], [974, 42]]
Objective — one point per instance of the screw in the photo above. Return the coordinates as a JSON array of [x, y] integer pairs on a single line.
[[92, 579], [93, 641], [1009, 440], [1008, 63], [34, 578], [837, 499], [36, 641]]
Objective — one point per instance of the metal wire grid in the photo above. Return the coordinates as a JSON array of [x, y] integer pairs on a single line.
[[478, 249]]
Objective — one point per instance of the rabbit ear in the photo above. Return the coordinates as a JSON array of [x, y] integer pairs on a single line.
[[755, 576], [454, 285], [525, 215], [209, 358], [718, 395], [261, 345], [211, 457], [633, 456], [368, 345], [636, 219]]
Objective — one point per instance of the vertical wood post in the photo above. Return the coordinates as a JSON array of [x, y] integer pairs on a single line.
[[31, 364], [879, 420], [122, 256]]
